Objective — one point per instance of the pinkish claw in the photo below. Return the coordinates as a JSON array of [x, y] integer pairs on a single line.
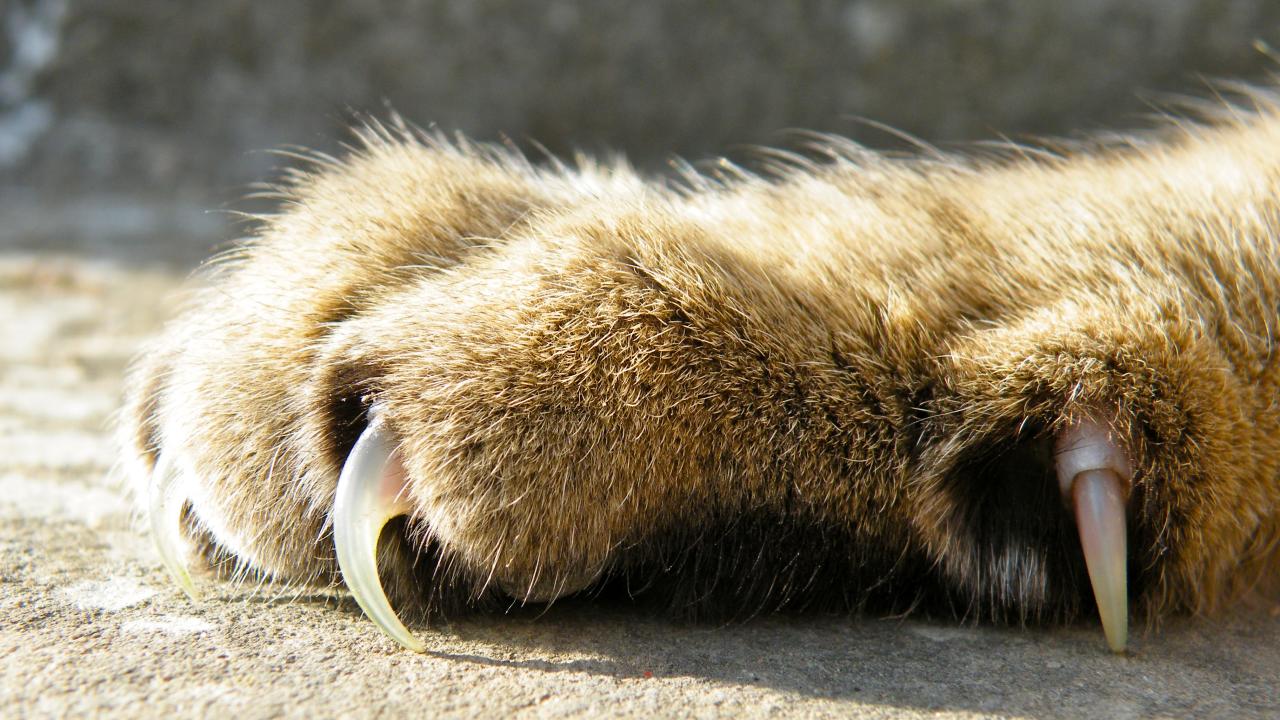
[[1094, 475]]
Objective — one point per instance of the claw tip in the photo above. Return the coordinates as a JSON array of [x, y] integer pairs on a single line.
[[165, 513], [369, 493]]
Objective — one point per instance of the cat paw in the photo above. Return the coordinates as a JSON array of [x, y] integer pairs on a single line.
[[450, 379]]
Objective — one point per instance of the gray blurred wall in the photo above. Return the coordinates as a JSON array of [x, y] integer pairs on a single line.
[[170, 101]]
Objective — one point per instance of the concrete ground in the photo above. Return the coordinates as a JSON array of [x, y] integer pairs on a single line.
[[91, 626]]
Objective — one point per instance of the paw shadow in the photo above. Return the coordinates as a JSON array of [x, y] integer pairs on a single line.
[[912, 663]]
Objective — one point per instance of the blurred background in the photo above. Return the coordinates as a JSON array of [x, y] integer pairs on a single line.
[[123, 122]]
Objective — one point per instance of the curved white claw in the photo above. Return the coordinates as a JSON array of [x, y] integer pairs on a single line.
[[370, 492], [164, 509], [1094, 475]]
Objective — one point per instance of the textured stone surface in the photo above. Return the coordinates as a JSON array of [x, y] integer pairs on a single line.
[[90, 625]]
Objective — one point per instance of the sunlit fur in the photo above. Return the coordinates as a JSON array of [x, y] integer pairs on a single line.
[[831, 383]]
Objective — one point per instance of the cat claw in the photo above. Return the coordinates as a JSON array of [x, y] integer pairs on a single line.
[[164, 510], [1094, 476], [371, 490]]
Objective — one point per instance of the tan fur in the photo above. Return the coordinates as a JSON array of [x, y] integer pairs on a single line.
[[818, 388]]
